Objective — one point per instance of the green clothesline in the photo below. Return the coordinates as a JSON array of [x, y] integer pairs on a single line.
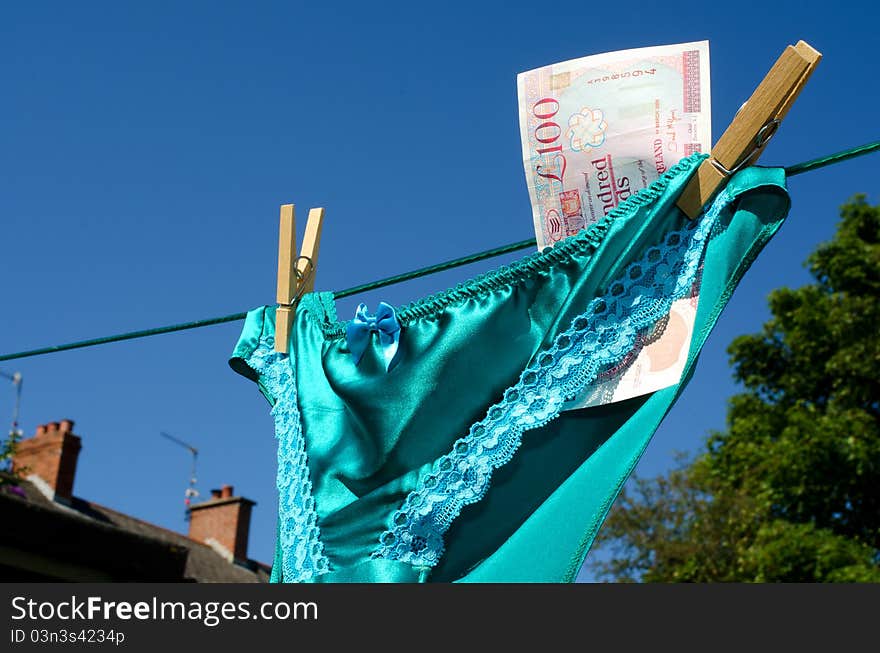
[[406, 276]]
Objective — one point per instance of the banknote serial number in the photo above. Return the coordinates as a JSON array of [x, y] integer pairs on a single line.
[[629, 73]]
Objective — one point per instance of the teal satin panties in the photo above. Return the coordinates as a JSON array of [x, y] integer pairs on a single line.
[[461, 462]]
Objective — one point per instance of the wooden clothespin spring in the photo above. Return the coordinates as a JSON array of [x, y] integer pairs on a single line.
[[296, 275], [761, 139]]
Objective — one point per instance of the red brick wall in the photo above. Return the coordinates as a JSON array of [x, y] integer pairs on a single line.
[[51, 454], [224, 518]]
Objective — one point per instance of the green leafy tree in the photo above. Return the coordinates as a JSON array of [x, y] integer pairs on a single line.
[[790, 491], [8, 476]]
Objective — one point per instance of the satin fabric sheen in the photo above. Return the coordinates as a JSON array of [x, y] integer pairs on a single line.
[[371, 433]]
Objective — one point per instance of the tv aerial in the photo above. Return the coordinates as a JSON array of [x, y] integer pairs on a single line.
[[191, 492]]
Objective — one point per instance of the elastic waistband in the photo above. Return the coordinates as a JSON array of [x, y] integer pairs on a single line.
[[321, 307]]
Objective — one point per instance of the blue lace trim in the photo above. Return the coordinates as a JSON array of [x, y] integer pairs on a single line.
[[300, 538], [597, 339]]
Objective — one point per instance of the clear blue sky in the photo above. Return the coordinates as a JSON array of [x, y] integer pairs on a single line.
[[145, 149]]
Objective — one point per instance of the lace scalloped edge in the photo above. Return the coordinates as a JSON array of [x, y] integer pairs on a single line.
[[302, 552], [463, 476]]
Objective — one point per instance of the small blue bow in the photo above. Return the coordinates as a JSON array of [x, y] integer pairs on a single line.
[[384, 322]]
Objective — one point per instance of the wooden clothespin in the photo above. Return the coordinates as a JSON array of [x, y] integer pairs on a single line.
[[752, 126], [296, 274]]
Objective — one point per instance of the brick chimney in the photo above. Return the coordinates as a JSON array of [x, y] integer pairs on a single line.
[[51, 454], [223, 520]]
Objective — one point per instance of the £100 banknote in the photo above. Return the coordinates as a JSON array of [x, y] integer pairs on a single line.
[[597, 129]]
